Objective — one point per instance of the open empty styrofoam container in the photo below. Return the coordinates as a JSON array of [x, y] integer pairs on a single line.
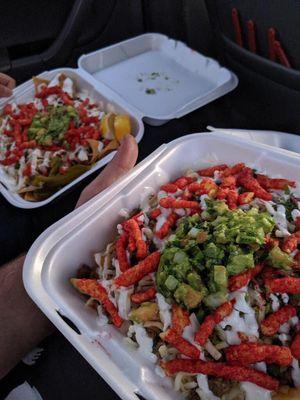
[[161, 77], [122, 78], [58, 252]]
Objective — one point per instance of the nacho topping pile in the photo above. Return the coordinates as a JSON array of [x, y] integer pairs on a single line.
[[204, 280], [48, 141]]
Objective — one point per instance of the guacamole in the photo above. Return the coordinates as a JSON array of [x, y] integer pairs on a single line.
[[50, 126], [202, 254]]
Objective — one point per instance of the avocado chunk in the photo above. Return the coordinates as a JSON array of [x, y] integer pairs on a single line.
[[214, 300], [177, 265], [220, 277], [279, 259], [239, 263], [220, 207], [190, 297], [146, 312], [171, 282]]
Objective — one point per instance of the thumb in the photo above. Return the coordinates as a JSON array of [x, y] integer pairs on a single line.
[[5, 91], [123, 161]]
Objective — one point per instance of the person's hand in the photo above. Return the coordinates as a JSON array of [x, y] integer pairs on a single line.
[[7, 84], [122, 162], [23, 325]]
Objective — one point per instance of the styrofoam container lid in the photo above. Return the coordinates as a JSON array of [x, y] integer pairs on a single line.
[[58, 252], [161, 77]]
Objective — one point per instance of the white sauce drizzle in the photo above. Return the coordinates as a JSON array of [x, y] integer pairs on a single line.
[[254, 392], [144, 341], [296, 373], [164, 311]]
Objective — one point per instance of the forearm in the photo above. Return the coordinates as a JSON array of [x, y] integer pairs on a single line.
[[18, 316]]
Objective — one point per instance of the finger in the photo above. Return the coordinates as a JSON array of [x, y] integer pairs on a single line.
[[5, 91], [7, 81], [122, 162]]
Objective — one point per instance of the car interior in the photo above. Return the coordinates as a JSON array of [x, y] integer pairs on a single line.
[[41, 35]]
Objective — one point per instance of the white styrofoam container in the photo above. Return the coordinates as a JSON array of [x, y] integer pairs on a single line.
[[109, 75], [25, 92], [193, 80], [57, 253]]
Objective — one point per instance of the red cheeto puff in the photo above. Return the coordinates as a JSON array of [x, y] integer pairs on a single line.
[[206, 186], [251, 353], [167, 226], [132, 228], [169, 188], [211, 170], [155, 213], [221, 370], [209, 323], [121, 246], [141, 297], [270, 326], [246, 179], [180, 319], [182, 182], [93, 288], [232, 199], [245, 198], [288, 284], [295, 347], [290, 243], [236, 169], [278, 184], [238, 281], [222, 193], [136, 273], [170, 202], [182, 345], [228, 182]]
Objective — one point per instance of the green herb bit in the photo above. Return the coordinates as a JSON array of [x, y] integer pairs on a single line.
[[150, 91]]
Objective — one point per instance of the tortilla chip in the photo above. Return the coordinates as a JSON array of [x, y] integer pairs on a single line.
[[94, 145], [96, 154], [38, 82], [27, 189], [286, 393], [61, 79]]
